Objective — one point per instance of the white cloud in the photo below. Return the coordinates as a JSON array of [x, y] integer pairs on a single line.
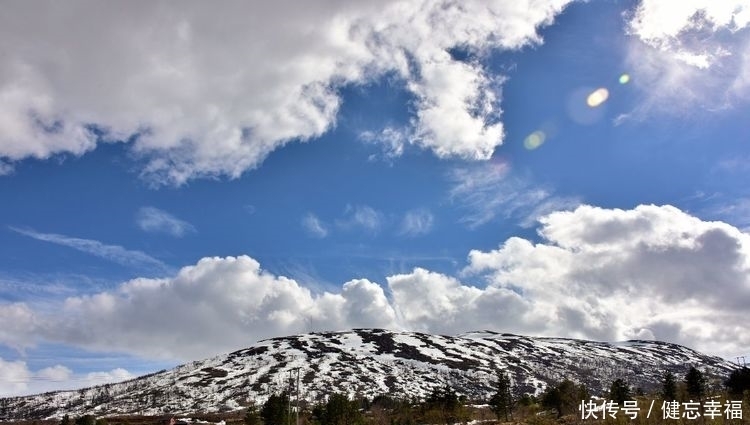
[[490, 190], [665, 24], [57, 373], [392, 141], [362, 217], [604, 274], [154, 220], [17, 379], [17, 326], [735, 211], [618, 273], [14, 377], [98, 378], [690, 54], [211, 91], [114, 253], [217, 305], [6, 168], [314, 226], [417, 222]]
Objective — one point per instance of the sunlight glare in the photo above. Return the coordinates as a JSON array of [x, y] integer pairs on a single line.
[[534, 140], [597, 97]]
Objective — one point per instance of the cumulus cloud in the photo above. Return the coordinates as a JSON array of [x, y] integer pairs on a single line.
[[14, 377], [691, 53], [114, 253], [605, 274], [621, 273], [206, 91], [154, 220], [98, 378], [18, 326], [216, 305], [491, 190], [17, 379], [314, 226], [417, 222], [57, 373]]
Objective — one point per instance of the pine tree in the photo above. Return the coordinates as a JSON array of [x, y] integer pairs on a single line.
[[562, 398], [275, 410], [339, 410], [738, 382], [669, 387], [251, 416], [446, 401], [66, 420], [86, 420], [695, 382], [619, 391], [501, 402]]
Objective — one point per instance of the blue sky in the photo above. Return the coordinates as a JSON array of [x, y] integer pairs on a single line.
[[223, 180]]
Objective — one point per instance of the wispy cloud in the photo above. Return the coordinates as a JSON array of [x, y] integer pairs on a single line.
[[417, 222], [489, 191], [363, 217], [154, 220], [688, 56], [391, 140], [314, 226], [114, 253], [735, 211], [6, 168]]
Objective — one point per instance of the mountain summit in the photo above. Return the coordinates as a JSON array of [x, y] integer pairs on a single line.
[[370, 362]]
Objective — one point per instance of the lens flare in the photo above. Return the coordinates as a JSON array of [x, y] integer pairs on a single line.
[[534, 140], [597, 97], [624, 79]]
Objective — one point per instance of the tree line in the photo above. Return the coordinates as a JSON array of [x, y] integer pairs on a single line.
[[445, 406]]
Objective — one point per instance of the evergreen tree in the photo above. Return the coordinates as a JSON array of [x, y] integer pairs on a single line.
[[695, 383], [583, 393], [339, 410], [86, 420], [738, 382], [501, 402], [66, 420], [446, 401], [251, 416], [275, 410], [562, 397], [526, 400], [668, 387], [619, 391], [551, 399]]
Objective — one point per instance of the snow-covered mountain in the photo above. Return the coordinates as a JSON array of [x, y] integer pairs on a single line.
[[369, 362]]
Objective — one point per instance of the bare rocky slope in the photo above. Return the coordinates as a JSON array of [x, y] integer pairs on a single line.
[[370, 362]]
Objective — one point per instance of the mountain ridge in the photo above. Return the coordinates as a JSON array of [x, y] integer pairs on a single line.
[[370, 362]]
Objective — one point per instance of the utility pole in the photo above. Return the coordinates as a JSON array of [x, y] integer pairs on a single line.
[[289, 399], [296, 396]]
